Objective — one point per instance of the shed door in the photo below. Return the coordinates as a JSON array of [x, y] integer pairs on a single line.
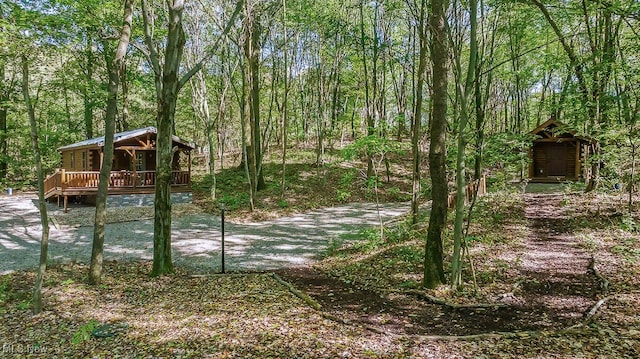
[[556, 159]]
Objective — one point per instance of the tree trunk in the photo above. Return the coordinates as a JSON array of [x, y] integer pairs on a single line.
[[123, 123], [86, 95], [252, 69], [463, 94], [162, 261], [481, 99], [167, 86], [285, 102], [367, 99], [42, 205], [433, 266], [417, 115], [4, 98], [114, 70]]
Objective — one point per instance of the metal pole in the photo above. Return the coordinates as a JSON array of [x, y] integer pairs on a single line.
[[222, 230]]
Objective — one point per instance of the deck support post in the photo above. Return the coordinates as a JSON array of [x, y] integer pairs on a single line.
[[189, 166], [134, 164], [66, 204]]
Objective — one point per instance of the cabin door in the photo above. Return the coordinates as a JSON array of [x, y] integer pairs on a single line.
[[556, 159]]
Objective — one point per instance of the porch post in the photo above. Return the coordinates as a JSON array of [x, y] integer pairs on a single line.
[[189, 166], [135, 174]]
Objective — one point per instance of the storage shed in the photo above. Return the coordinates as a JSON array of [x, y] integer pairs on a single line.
[[557, 154]]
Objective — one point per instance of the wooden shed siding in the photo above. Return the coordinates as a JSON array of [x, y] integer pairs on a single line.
[[571, 160], [540, 164], [540, 160]]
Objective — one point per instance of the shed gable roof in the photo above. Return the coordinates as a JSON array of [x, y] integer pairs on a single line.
[[123, 136], [556, 128]]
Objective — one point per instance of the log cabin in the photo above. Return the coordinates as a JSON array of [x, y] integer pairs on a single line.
[[558, 154], [132, 172]]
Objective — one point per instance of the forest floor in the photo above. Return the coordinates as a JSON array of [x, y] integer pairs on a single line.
[[557, 277]]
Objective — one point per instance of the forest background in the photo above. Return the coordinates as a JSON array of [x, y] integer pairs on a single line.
[[262, 78]]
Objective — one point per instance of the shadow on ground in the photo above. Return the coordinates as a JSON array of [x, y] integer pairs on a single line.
[[196, 239]]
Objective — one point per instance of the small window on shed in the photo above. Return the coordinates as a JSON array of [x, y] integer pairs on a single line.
[[72, 160], [84, 161]]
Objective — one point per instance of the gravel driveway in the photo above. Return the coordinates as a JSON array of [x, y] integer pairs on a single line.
[[284, 242]]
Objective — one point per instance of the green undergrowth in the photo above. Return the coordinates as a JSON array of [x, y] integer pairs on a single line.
[[395, 262], [308, 186]]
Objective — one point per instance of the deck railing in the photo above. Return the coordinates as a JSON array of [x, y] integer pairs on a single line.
[[61, 179], [477, 187], [53, 182]]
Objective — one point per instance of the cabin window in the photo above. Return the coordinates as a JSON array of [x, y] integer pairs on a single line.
[[72, 160], [84, 161], [139, 161]]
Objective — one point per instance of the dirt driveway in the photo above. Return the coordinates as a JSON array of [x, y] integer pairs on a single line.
[[281, 243]]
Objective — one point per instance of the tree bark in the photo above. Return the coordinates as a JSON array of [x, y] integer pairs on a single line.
[[4, 98], [162, 261], [167, 86], [463, 91], [114, 70], [122, 123], [86, 95], [252, 69], [285, 102], [367, 99], [433, 266], [42, 205], [417, 114]]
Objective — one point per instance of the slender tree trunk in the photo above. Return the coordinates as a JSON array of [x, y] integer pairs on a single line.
[[463, 94], [123, 123], [65, 89], [200, 105], [42, 205], [4, 98], [433, 266], [246, 153], [632, 175], [417, 115], [114, 70], [252, 57], [400, 87], [367, 99], [87, 96], [285, 101], [481, 98]]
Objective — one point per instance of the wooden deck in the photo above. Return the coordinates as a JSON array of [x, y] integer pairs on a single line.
[[63, 184]]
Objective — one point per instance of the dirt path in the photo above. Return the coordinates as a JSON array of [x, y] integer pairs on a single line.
[[553, 291], [553, 263]]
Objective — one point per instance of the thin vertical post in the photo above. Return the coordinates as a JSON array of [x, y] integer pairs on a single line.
[[134, 176], [222, 230], [189, 168]]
